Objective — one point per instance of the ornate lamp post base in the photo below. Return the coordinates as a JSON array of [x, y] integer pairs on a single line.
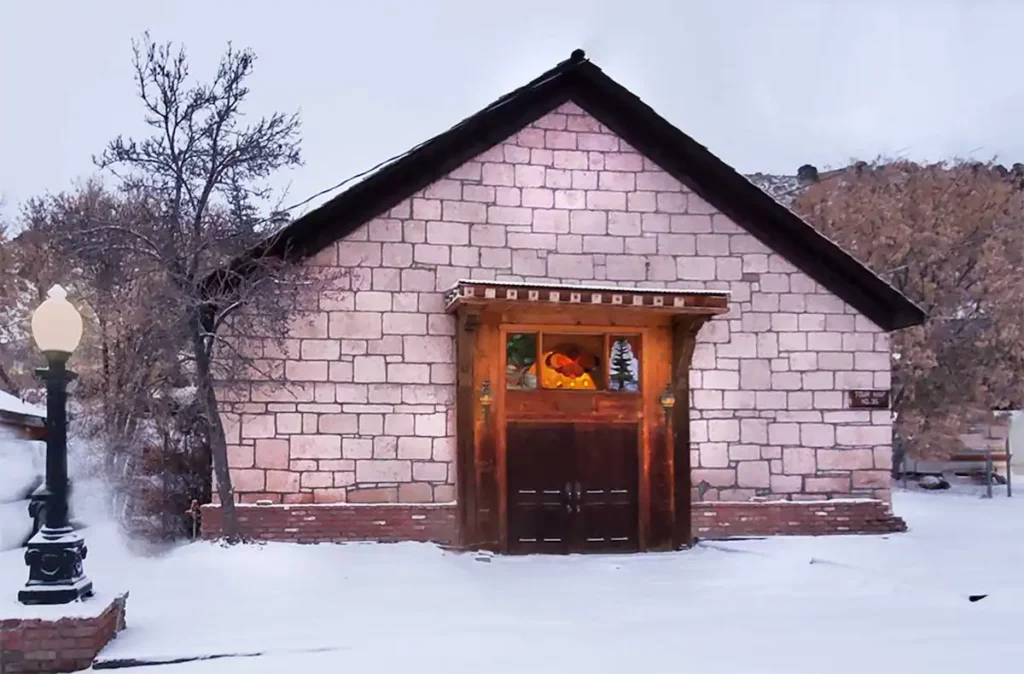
[[54, 558]]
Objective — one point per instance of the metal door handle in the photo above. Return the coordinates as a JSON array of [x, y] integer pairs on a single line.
[[578, 495], [568, 497]]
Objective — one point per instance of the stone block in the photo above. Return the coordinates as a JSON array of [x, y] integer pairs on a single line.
[[669, 202], [315, 447], [753, 431], [721, 379], [817, 435], [744, 452], [429, 471], [369, 369], [429, 349], [798, 460], [576, 267], [415, 492], [404, 323], [860, 436], [755, 374], [258, 426], [431, 425], [371, 425], [831, 485], [724, 430], [308, 325], [883, 457], [338, 424], [272, 453], [872, 479], [357, 448], [714, 477], [283, 481], [241, 456], [786, 484], [845, 459], [411, 447], [383, 470], [355, 325], [570, 159], [248, 479], [872, 361], [714, 455], [753, 474]]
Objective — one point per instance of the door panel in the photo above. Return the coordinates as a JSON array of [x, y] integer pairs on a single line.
[[607, 508], [572, 487], [541, 463]]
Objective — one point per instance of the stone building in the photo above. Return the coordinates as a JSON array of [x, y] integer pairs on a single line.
[[566, 325]]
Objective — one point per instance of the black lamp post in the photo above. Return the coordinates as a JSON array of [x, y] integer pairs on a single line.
[[54, 555]]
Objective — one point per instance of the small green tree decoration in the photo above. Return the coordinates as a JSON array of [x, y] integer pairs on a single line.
[[622, 378]]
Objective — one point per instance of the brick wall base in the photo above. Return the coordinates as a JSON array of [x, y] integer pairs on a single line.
[[794, 518], [58, 645], [429, 523], [339, 522]]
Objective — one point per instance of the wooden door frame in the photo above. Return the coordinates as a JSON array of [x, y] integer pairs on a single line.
[[666, 320]]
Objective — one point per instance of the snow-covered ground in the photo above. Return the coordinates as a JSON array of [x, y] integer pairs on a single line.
[[794, 605]]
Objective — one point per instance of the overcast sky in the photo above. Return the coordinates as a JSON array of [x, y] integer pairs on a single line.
[[767, 84]]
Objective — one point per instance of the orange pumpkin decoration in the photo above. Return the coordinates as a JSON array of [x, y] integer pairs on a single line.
[[570, 361], [567, 366]]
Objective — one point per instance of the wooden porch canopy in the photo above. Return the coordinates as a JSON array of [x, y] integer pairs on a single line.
[[555, 295], [492, 416]]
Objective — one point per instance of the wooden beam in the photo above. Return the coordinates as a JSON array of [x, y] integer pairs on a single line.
[[684, 341]]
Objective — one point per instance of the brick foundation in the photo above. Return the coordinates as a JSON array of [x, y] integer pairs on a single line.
[[60, 644], [392, 522], [339, 522], [794, 518]]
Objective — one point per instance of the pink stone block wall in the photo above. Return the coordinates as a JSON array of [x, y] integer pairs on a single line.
[[369, 416]]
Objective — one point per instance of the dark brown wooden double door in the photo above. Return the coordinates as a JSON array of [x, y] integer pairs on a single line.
[[572, 487]]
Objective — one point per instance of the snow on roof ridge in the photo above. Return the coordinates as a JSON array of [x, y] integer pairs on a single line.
[[15, 405]]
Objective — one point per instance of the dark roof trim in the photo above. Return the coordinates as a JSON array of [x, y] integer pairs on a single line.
[[652, 135], [8, 418]]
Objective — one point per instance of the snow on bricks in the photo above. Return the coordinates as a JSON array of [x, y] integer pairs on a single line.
[[338, 523], [802, 518], [66, 644]]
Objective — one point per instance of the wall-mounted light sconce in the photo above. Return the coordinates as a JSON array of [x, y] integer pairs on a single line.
[[486, 399], [668, 400]]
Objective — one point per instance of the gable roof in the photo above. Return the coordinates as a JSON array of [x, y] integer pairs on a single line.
[[582, 82]]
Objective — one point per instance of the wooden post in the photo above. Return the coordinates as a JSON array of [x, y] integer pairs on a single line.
[[465, 440], [684, 341], [1009, 468]]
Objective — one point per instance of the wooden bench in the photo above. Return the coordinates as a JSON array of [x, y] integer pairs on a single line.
[[989, 459]]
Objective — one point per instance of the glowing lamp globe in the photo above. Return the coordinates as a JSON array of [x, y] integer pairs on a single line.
[[56, 324]]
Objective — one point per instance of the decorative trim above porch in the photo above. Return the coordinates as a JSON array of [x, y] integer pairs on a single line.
[[468, 292]]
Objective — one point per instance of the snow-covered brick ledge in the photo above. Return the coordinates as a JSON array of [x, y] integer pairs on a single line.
[[339, 522], [435, 522], [794, 518], [58, 638]]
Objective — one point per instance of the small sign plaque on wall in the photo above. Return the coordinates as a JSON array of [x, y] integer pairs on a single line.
[[869, 399]]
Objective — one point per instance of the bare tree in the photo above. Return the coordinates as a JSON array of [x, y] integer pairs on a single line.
[[8, 295], [950, 237], [197, 185]]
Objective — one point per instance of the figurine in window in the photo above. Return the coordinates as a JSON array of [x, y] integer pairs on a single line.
[[567, 366]]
